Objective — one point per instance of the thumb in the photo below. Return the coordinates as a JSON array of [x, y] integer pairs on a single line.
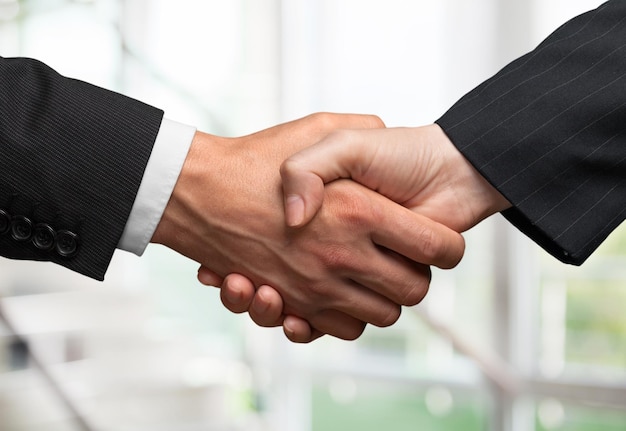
[[304, 174], [303, 193]]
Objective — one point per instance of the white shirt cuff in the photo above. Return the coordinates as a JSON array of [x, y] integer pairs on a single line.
[[162, 171]]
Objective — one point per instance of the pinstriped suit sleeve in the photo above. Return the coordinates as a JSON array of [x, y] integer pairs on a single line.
[[72, 156], [549, 132]]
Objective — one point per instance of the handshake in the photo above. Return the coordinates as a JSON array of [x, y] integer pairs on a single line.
[[326, 223]]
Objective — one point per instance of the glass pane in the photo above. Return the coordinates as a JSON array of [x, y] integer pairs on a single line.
[[554, 415], [345, 404], [583, 319]]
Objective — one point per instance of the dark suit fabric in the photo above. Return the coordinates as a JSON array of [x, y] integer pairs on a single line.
[[72, 158], [549, 132]]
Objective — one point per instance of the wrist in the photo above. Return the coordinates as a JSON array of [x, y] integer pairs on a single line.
[[175, 219], [476, 197], [226, 195]]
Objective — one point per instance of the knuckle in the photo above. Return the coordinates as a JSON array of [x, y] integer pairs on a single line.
[[290, 166], [442, 251], [350, 205], [390, 317], [431, 245], [338, 324], [414, 292], [352, 333], [323, 120], [329, 120], [373, 121], [457, 254], [337, 257]]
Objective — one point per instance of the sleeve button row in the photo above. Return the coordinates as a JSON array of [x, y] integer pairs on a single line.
[[43, 236]]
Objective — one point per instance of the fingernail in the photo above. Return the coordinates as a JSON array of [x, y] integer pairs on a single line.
[[294, 210]]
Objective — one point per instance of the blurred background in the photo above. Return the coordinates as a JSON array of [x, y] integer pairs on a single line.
[[510, 340]]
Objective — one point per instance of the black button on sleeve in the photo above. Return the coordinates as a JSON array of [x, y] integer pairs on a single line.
[[44, 236], [5, 222], [67, 243], [21, 228]]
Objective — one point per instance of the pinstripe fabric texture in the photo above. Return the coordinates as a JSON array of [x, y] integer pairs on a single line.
[[72, 155], [549, 132]]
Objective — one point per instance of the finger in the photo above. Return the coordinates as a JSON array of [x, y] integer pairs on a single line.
[[298, 330], [208, 277], [375, 295], [237, 293], [384, 278], [338, 324], [417, 237], [387, 280], [266, 308]]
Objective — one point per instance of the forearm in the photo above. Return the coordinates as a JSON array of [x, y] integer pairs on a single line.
[[73, 157]]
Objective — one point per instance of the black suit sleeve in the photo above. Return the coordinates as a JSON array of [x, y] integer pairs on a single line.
[[72, 158], [549, 132]]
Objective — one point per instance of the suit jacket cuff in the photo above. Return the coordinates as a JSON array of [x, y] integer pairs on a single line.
[[549, 132]]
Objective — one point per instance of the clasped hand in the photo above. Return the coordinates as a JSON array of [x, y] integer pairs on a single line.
[[356, 259]]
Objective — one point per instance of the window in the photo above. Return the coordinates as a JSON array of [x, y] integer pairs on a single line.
[[509, 340]]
